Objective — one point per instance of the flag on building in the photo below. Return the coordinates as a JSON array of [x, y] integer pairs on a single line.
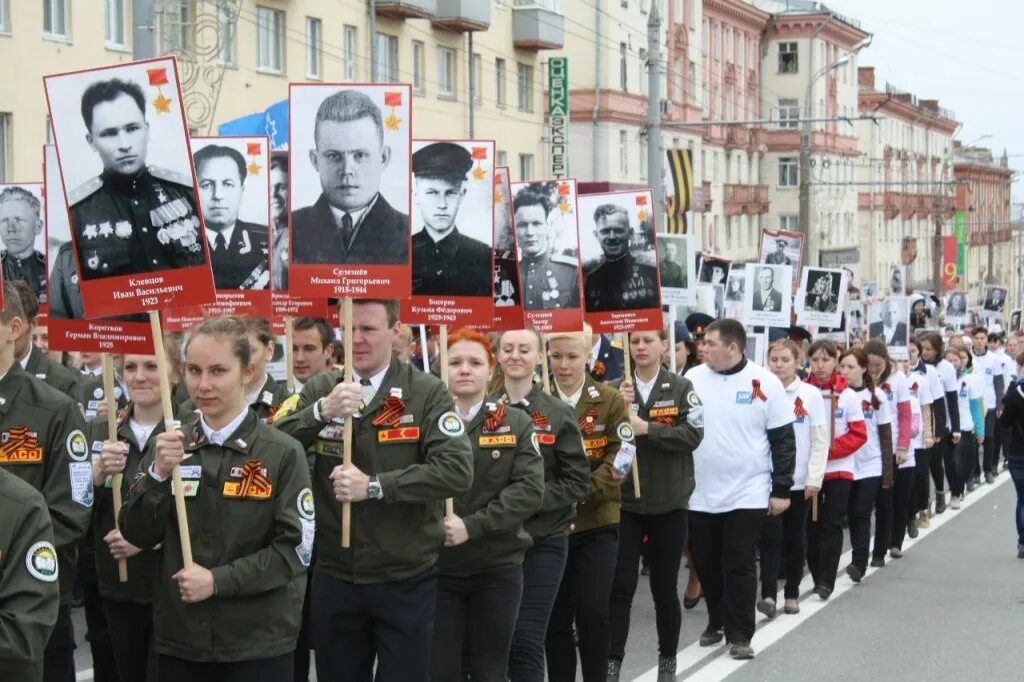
[[680, 199]]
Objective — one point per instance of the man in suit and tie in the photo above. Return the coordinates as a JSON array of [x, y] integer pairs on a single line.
[[890, 328], [238, 249], [767, 298], [351, 222]]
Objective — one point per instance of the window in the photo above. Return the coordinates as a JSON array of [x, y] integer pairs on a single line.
[[501, 158], [623, 76], [269, 39], [226, 28], [446, 72], [789, 113], [525, 167], [419, 65], [623, 153], [349, 49], [387, 58], [691, 85], [788, 58], [788, 171], [478, 79], [55, 18], [114, 23], [314, 48], [790, 223], [525, 87], [5, 19], [500, 78]]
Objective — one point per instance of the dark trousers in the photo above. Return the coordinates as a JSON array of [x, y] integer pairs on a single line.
[[859, 508], [784, 536], [104, 667], [354, 625], [972, 459], [937, 464], [666, 537], [883, 519], [583, 598], [131, 634], [542, 574], [959, 462], [303, 644], [904, 506], [825, 537], [922, 486], [1016, 466], [276, 669], [59, 656], [990, 447], [723, 548], [473, 626]]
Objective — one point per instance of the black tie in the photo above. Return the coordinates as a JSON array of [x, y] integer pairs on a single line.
[[220, 245], [346, 229]]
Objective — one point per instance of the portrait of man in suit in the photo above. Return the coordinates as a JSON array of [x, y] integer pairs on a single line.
[[892, 327], [239, 254], [351, 222], [995, 300], [766, 297]]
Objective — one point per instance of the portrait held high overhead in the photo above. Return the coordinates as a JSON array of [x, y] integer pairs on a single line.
[[888, 320], [869, 289], [130, 189], [781, 247], [22, 237], [675, 268], [713, 270], [506, 270], [995, 300], [1015, 319], [735, 283], [821, 297], [898, 280], [956, 307], [279, 221], [767, 300], [234, 197]]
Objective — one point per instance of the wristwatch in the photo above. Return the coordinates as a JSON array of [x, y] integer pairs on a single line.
[[373, 489]]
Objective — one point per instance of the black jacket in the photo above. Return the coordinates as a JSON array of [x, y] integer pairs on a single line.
[[382, 237], [246, 263], [456, 266], [1012, 419]]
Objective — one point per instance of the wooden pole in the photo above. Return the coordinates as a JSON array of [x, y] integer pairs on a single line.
[[115, 483], [346, 507], [545, 380], [442, 350], [289, 376], [627, 373], [171, 424]]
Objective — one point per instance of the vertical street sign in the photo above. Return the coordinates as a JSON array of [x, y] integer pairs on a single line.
[[558, 117]]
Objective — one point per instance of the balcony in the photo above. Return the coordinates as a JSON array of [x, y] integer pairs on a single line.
[[463, 15], [737, 137], [537, 26], [407, 9], [745, 199]]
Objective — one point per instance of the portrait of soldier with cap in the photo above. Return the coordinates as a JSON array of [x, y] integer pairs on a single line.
[[550, 280], [21, 222], [445, 260], [619, 280], [779, 257]]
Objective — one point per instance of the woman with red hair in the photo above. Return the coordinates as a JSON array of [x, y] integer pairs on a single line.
[[481, 564]]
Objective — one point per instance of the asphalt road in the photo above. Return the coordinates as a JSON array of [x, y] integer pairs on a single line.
[[951, 609]]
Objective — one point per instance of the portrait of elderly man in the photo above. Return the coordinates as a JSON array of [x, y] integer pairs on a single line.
[[20, 223], [892, 328], [351, 222], [766, 297], [619, 281]]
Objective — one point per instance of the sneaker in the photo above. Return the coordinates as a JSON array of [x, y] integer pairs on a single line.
[[922, 520], [912, 528], [896, 552], [940, 502], [615, 667], [989, 478], [823, 592], [741, 651], [971, 486], [877, 561], [954, 503], [767, 607], [1020, 551], [791, 607], [855, 573], [711, 637], [666, 669]]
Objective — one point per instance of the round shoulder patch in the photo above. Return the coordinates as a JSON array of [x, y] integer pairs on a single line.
[[625, 432], [97, 393], [450, 424], [78, 446], [693, 399], [41, 562], [304, 502]]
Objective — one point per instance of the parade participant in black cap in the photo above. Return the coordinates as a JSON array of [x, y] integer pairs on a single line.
[[445, 261], [697, 323]]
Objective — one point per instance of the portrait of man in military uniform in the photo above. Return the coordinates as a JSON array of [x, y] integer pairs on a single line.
[[21, 224], [279, 220], [132, 218], [239, 252], [779, 257], [619, 280], [673, 273], [351, 221], [446, 260], [550, 278], [506, 272]]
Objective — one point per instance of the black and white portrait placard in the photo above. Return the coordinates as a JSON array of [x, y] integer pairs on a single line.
[[675, 265], [898, 280], [782, 247], [995, 301], [869, 290], [889, 320], [713, 270], [1015, 316], [767, 301], [957, 312], [821, 297], [23, 236], [854, 319]]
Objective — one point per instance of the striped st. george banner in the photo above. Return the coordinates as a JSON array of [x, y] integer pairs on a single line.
[[680, 165]]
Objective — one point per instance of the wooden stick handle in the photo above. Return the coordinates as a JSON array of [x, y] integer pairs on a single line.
[[170, 423], [442, 349], [627, 374], [289, 365], [346, 507], [814, 508], [116, 480]]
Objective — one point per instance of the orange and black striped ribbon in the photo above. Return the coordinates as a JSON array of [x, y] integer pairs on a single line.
[[391, 415]]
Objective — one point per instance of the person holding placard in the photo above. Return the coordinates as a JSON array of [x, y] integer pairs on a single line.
[[566, 480], [251, 519], [375, 600], [667, 418], [583, 596], [481, 564], [127, 605], [45, 445]]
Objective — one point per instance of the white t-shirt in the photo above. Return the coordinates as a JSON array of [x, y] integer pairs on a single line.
[[732, 466], [1009, 368], [935, 385], [985, 368], [867, 461], [947, 374], [814, 406], [920, 395], [896, 391], [848, 410], [970, 389]]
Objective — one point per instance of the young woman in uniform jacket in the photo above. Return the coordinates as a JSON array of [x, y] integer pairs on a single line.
[[873, 462], [127, 605], [566, 481], [583, 596], [667, 419], [235, 614], [786, 535], [933, 438], [825, 537], [481, 564]]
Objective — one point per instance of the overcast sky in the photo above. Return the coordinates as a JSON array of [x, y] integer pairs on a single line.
[[964, 54]]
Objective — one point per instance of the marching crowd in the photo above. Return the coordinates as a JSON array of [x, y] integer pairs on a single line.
[[559, 497]]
